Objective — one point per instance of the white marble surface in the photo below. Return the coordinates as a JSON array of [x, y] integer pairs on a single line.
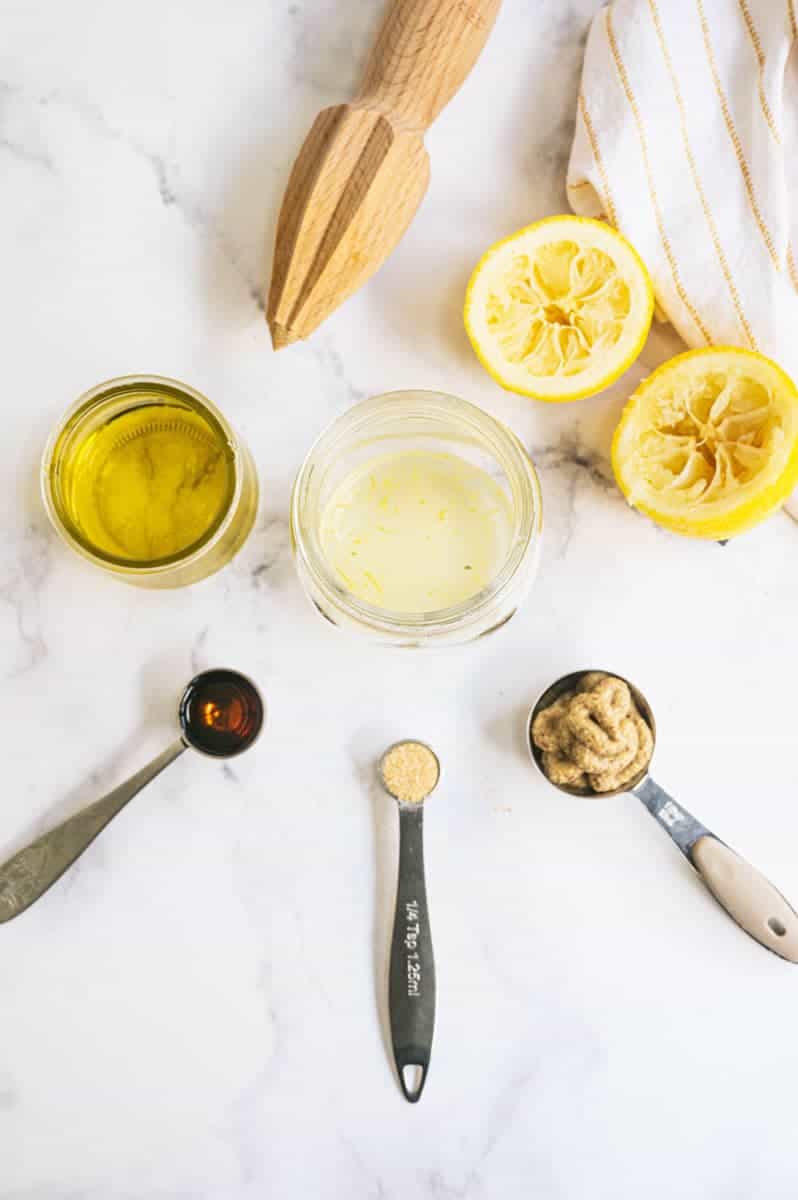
[[193, 1011]]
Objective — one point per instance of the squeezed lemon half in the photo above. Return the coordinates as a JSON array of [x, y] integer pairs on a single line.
[[708, 445], [560, 309]]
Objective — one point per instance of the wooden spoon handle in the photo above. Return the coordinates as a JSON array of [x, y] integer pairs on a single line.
[[424, 52]]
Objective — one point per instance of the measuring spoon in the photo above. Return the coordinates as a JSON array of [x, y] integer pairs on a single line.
[[220, 714], [411, 981], [748, 898]]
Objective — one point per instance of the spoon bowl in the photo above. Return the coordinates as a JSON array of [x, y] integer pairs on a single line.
[[568, 683], [221, 713], [384, 782]]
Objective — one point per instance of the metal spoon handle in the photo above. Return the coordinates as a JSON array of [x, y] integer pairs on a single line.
[[31, 871], [747, 896], [679, 824], [411, 988]]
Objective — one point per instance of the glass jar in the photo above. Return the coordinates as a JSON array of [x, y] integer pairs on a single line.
[[417, 420], [114, 405]]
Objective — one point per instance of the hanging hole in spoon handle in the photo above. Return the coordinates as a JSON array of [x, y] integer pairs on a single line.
[[411, 985], [412, 1074]]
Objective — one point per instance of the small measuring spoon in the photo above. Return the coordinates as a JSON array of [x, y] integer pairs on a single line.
[[748, 898], [220, 713], [411, 982]]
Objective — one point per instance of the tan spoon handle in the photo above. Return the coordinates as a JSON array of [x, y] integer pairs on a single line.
[[422, 55], [755, 904], [748, 898]]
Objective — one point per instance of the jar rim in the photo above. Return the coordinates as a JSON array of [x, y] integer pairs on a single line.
[[481, 429], [118, 386]]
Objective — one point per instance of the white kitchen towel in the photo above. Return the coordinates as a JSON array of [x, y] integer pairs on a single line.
[[687, 141]]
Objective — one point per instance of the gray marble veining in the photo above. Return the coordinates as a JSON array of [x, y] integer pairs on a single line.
[[196, 1013]]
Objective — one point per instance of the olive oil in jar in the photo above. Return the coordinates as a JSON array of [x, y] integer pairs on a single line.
[[148, 479]]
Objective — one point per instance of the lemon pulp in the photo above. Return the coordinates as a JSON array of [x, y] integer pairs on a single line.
[[416, 531], [558, 309]]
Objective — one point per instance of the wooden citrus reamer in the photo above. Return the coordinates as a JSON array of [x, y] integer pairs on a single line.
[[363, 168]]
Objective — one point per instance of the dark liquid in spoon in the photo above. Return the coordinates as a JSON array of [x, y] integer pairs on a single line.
[[221, 713]]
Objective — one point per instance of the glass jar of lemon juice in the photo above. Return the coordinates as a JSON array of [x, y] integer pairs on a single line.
[[416, 520], [145, 478]]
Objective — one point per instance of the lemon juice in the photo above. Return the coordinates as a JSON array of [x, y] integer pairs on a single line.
[[416, 531]]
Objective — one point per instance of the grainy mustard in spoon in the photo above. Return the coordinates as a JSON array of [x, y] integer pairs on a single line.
[[593, 736]]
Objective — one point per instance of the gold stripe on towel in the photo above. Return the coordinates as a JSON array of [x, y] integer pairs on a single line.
[[735, 139], [724, 266], [591, 134], [760, 58], [793, 21], [791, 266], [641, 133]]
